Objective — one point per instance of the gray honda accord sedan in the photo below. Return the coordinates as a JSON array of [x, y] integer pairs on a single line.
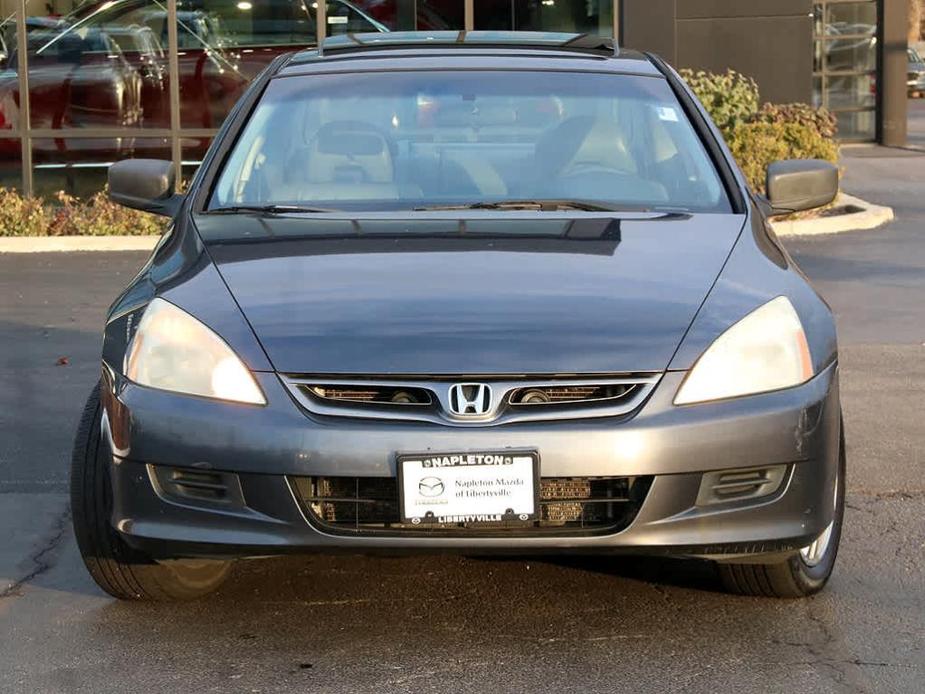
[[479, 293]]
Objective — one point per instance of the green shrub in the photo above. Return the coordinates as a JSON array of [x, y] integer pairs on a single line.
[[21, 216], [755, 145], [757, 136], [99, 216], [731, 98], [819, 119], [69, 216]]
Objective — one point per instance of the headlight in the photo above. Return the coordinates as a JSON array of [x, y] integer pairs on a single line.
[[173, 351], [765, 351]]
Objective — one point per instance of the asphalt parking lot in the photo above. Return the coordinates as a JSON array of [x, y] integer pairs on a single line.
[[440, 623]]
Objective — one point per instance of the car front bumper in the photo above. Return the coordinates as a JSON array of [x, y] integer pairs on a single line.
[[266, 447]]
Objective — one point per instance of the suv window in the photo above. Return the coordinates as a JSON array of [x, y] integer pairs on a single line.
[[424, 138]]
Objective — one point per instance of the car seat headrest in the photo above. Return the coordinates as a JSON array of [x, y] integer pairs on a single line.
[[349, 152]]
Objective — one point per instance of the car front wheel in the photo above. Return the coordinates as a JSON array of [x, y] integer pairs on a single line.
[[118, 569], [802, 574]]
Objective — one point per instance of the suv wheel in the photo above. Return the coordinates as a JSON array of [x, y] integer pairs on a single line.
[[118, 569]]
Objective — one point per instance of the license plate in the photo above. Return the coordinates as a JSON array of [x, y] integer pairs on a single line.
[[483, 487]]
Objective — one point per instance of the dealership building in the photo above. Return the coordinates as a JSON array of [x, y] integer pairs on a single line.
[[85, 83]]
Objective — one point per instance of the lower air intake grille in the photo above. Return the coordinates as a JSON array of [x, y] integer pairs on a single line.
[[560, 395], [737, 485], [196, 487], [568, 506], [369, 394]]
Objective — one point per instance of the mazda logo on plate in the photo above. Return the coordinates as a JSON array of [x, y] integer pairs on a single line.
[[470, 399], [430, 486]]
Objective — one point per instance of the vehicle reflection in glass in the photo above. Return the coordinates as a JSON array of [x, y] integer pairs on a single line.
[[105, 65]]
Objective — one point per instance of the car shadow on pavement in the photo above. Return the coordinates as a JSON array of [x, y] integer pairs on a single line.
[[658, 571], [512, 593]]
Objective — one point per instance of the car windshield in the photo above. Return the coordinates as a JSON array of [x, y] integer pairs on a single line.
[[503, 139]]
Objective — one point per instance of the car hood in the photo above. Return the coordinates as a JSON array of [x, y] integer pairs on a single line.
[[479, 296]]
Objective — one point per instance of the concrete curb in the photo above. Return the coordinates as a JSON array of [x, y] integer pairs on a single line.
[[70, 244], [868, 216]]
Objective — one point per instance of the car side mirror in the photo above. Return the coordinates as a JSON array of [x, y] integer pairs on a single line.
[[795, 185], [145, 184]]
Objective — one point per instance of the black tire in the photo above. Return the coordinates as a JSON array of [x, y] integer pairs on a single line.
[[793, 578], [118, 569]]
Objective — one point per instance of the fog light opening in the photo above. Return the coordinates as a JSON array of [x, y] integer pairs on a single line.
[[724, 486]]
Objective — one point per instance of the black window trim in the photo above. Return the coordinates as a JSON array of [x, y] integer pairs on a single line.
[[709, 135]]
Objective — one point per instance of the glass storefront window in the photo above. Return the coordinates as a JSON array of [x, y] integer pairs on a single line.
[[573, 16], [353, 18], [854, 18], [845, 61], [9, 77], [104, 65], [817, 91], [440, 15], [226, 43], [78, 166], [849, 54], [227, 24], [857, 125], [356, 16], [192, 149], [851, 91], [10, 163]]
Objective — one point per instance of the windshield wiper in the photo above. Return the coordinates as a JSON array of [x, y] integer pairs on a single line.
[[538, 205], [266, 209]]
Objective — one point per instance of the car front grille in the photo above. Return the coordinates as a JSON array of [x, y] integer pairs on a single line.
[[510, 400], [370, 394], [568, 506], [558, 395]]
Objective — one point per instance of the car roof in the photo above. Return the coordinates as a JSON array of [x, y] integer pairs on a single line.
[[469, 50]]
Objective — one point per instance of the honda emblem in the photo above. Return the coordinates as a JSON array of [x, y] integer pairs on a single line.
[[470, 399]]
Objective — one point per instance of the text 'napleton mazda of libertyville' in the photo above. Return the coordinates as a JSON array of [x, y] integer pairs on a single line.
[[480, 293]]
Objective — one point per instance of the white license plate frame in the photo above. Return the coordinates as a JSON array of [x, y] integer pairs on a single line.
[[492, 491]]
